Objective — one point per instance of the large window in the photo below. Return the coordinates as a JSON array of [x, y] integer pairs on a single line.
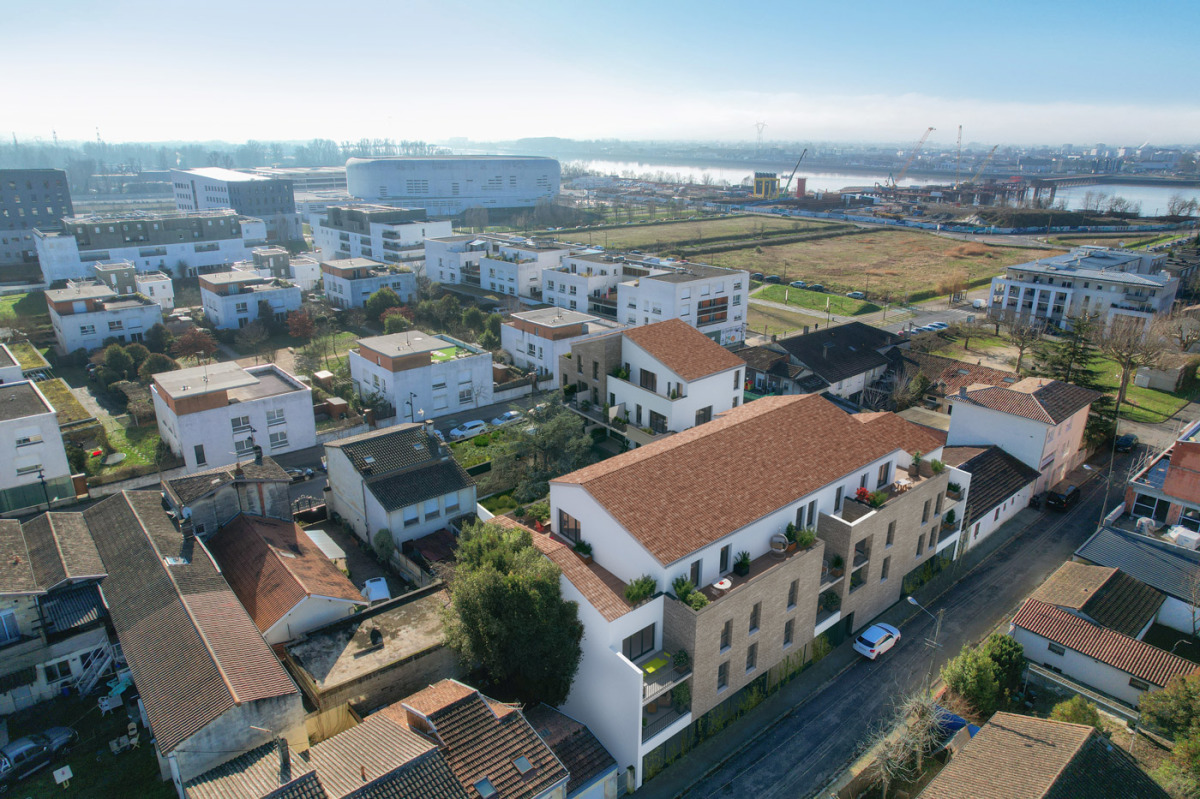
[[704, 415], [640, 643], [726, 634], [658, 422], [752, 657], [648, 380], [723, 676], [568, 526], [8, 627]]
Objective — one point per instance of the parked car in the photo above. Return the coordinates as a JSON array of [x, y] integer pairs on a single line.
[[1126, 442], [468, 429], [300, 475], [798, 284], [816, 287], [756, 276], [376, 590], [772, 279], [24, 756], [979, 305], [1062, 499], [937, 326], [875, 640], [508, 417], [856, 295]]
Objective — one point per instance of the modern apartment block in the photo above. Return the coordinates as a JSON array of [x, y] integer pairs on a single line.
[[236, 298], [29, 199], [87, 313], [515, 267], [179, 242], [350, 282], [421, 375], [276, 262], [1111, 284], [216, 414], [33, 462], [537, 340], [268, 198], [450, 184], [123, 278], [637, 290], [380, 232], [688, 506], [455, 259]]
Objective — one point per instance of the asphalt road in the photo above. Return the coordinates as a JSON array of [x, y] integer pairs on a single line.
[[806, 749]]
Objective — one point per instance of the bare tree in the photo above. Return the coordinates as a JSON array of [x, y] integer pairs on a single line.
[[1127, 343], [902, 746], [1193, 587], [252, 337], [1022, 334], [1181, 331]]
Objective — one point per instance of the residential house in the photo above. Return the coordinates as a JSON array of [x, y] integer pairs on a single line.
[[593, 770], [236, 298], [211, 498], [216, 414], [422, 375], [1103, 595], [455, 259], [287, 585], [850, 358], [771, 371], [276, 262], [537, 340], [401, 479], [514, 266], [761, 612], [33, 461], [1116, 664], [124, 278], [86, 314], [52, 618], [995, 486], [1025, 757], [1166, 488], [943, 377], [381, 232], [1039, 421], [350, 282]]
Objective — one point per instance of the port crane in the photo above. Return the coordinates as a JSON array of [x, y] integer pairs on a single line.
[[983, 166], [911, 157], [787, 187]]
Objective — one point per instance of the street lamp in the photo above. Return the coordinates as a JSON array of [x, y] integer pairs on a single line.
[[931, 643], [412, 415]]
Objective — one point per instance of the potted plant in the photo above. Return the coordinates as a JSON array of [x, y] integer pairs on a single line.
[[640, 589], [877, 499], [584, 550], [954, 490], [806, 538], [681, 697], [697, 600], [681, 659], [682, 587], [741, 566], [863, 495], [937, 466], [914, 468], [831, 601], [837, 566], [948, 519], [790, 534]]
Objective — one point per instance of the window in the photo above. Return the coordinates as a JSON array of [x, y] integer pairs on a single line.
[[862, 481], [411, 516], [8, 627], [723, 676], [240, 423], [885, 470], [891, 534], [647, 380], [117, 325], [1141, 685], [464, 395], [789, 633], [755, 615], [793, 589], [200, 461], [920, 544], [29, 468], [29, 439], [704, 415], [279, 439], [726, 634], [737, 379], [812, 514], [751, 657], [925, 512], [57, 671], [696, 572], [883, 572], [244, 447], [724, 558], [937, 504], [485, 788], [1056, 649], [432, 509], [87, 330], [451, 504], [640, 643], [595, 370], [837, 500], [568, 526], [275, 416]]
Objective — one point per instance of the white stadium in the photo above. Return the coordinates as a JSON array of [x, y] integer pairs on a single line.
[[449, 185]]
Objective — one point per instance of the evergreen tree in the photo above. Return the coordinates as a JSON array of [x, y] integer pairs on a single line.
[[1070, 358]]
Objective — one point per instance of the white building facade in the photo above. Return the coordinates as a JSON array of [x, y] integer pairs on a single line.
[[537, 340], [86, 314], [33, 461], [381, 233], [350, 282], [270, 199], [235, 298], [448, 185], [422, 375], [123, 278]]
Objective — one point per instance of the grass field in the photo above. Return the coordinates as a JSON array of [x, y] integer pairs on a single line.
[[881, 263], [660, 237], [815, 301], [763, 319], [22, 305], [1114, 239]]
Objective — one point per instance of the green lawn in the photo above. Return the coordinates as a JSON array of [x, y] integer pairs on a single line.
[[1142, 404], [816, 300], [22, 305], [499, 504], [475, 451], [979, 343], [767, 320], [28, 356]]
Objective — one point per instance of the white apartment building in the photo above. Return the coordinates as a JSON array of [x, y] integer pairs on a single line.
[[10, 368], [350, 282], [423, 376], [268, 198], [1108, 283], [178, 243], [301, 270], [646, 290], [33, 463], [124, 278], [235, 298], [537, 340], [379, 232], [455, 259], [86, 313], [515, 267], [216, 414]]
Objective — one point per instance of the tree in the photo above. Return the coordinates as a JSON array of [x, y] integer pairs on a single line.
[[972, 676], [902, 746], [1021, 334], [494, 322], [1127, 343], [1070, 358], [159, 339], [394, 321], [473, 318], [252, 338], [1008, 656], [507, 614], [384, 545], [1180, 331], [156, 363], [119, 362], [196, 343], [138, 352], [1078, 710], [489, 340], [300, 324], [379, 302], [532, 455], [449, 312]]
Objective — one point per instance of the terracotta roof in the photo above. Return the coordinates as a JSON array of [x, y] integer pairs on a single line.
[[947, 375], [842, 351], [16, 567], [356, 757], [579, 750], [193, 650], [1036, 398], [272, 567], [995, 476], [683, 349], [1122, 652], [601, 588], [61, 548], [716, 476], [258, 774], [435, 697], [1107, 596], [1023, 757], [189, 488]]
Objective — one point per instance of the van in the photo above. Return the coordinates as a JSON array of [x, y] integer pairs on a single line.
[[979, 305], [1063, 498]]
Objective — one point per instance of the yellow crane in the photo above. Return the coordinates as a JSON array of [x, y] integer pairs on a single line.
[[913, 155], [983, 166]]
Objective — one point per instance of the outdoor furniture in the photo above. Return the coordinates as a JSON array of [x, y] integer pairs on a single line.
[[655, 663], [108, 704], [119, 745], [132, 729], [134, 741], [724, 584]]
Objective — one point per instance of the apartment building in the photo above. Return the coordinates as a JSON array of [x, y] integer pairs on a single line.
[[301, 270], [216, 414], [537, 340], [688, 506], [307, 178], [269, 198], [641, 290], [179, 243], [379, 232], [235, 298], [455, 259], [350, 282], [514, 267], [124, 278], [1131, 286], [34, 470], [421, 375], [87, 313], [29, 199]]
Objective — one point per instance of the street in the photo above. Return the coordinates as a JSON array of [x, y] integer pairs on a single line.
[[805, 749]]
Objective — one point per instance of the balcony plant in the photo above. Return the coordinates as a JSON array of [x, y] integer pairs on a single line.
[[697, 600], [681, 697], [937, 466], [806, 538], [949, 519], [681, 660], [831, 601], [914, 468], [741, 565], [584, 550], [877, 499], [862, 495], [954, 490], [683, 588], [837, 566], [641, 589]]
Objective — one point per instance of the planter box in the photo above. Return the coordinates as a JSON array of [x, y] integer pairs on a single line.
[[854, 509], [741, 569]]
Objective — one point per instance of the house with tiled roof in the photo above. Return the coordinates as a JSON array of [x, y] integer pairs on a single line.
[[593, 770], [1024, 757], [213, 497], [401, 479], [653, 380], [994, 485], [771, 371], [1108, 661], [287, 585], [943, 376], [1105, 596], [685, 506], [849, 357], [1037, 420]]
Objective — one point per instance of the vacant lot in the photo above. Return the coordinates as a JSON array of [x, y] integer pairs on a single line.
[[653, 238], [817, 301], [885, 262], [767, 320]]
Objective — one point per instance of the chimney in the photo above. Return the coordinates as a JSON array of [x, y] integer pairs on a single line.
[[364, 773], [285, 757], [257, 455], [962, 391]]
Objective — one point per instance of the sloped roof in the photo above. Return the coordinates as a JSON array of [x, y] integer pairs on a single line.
[[1122, 652], [995, 476], [1036, 398], [580, 752], [193, 650], [356, 757], [839, 352], [272, 567], [1113, 599], [688, 490], [380, 451], [16, 568], [191, 487], [61, 548], [258, 774], [683, 349], [435, 479], [1164, 566], [1023, 757], [948, 375]]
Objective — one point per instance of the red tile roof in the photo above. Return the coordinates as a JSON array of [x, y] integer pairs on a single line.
[[691, 489], [1130, 655], [683, 349], [1037, 398]]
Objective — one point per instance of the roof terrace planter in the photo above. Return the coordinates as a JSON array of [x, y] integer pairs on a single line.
[[853, 510]]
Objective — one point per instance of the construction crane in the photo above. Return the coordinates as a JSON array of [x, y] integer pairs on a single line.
[[787, 187], [983, 166], [912, 156], [958, 158]]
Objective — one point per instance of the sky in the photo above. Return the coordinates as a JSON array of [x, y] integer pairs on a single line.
[[1010, 72]]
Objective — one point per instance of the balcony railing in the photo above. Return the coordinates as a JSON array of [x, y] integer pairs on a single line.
[[659, 676], [758, 567], [654, 723]]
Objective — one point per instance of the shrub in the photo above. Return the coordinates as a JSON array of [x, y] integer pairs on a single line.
[[681, 659], [949, 518], [972, 675], [937, 466], [540, 511], [697, 600], [683, 588], [806, 538], [519, 512], [831, 601], [955, 487], [1078, 710], [877, 499], [1008, 655], [641, 589], [681, 697], [384, 545], [821, 647], [862, 495], [584, 548], [481, 440]]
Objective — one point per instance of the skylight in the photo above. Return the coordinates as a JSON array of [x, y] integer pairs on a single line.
[[485, 788], [369, 459], [523, 765]]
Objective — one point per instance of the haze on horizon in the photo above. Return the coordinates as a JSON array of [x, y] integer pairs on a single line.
[[1021, 72]]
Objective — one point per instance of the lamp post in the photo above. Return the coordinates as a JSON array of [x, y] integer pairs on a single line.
[[412, 413], [931, 643]]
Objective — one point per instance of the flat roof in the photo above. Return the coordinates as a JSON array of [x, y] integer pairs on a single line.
[[267, 384], [353, 263], [220, 173], [18, 400], [409, 342], [232, 276], [204, 379], [555, 317], [80, 291]]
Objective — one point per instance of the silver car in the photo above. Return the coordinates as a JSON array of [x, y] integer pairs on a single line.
[[24, 756]]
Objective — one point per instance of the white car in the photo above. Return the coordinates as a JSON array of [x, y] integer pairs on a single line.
[[508, 417], [875, 640], [376, 590], [937, 326], [467, 430]]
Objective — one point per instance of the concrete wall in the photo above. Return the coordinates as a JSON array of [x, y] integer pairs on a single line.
[[18, 464], [309, 614], [234, 731], [89, 330], [1178, 615], [233, 311]]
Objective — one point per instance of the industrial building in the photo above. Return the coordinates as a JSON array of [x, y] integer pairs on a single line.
[[449, 185], [270, 199], [29, 198]]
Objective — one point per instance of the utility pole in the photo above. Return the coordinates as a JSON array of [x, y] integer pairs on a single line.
[[932, 643]]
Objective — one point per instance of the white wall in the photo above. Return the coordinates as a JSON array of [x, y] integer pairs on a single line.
[[474, 372], [47, 453], [89, 330], [971, 425], [1178, 615], [161, 290], [232, 311], [1078, 666], [987, 525], [717, 391], [355, 293], [308, 614]]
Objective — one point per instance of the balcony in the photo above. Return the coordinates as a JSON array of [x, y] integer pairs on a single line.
[[664, 717], [659, 676], [758, 567], [595, 414]]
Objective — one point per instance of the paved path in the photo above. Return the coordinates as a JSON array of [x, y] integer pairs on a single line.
[[796, 741]]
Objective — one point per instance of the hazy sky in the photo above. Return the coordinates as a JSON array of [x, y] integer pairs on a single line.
[[1037, 71]]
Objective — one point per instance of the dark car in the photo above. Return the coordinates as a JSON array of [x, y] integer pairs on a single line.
[[756, 276], [771, 279], [1126, 442], [1062, 498], [816, 287], [24, 756], [300, 475]]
